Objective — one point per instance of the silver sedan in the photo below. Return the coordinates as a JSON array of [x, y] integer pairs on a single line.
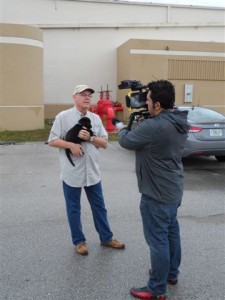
[[207, 133]]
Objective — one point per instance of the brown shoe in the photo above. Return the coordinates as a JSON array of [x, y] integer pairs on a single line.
[[114, 244], [81, 249]]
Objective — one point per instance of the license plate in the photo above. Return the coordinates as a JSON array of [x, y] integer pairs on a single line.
[[215, 132]]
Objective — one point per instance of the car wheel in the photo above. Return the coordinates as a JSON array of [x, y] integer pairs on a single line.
[[220, 158]]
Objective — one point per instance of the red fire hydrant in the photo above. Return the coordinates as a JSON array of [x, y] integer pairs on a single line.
[[105, 107]]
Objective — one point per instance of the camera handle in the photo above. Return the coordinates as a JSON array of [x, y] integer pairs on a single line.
[[144, 113]]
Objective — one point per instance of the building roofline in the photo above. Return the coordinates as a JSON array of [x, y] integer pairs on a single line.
[[151, 4]]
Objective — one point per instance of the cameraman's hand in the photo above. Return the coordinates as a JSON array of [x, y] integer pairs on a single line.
[[140, 119], [118, 124], [119, 128]]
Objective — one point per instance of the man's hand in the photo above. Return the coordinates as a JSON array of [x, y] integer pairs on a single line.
[[84, 135], [76, 149]]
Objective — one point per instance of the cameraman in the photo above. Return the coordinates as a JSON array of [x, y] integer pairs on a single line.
[[158, 143]]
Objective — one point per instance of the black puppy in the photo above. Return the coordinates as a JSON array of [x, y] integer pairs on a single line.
[[72, 134]]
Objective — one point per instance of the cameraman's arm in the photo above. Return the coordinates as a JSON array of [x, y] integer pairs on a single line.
[[136, 138], [125, 139]]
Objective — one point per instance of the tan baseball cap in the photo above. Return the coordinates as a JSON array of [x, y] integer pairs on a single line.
[[82, 87]]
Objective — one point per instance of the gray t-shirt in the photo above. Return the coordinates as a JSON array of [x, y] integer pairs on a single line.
[[86, 171]]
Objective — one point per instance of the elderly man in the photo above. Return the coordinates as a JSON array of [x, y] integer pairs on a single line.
[[85, 174]]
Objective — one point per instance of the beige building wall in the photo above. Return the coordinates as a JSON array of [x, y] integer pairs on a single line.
[[21, 95], [80, 49], [199, 64]]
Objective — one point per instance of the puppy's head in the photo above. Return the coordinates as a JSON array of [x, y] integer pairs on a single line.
[[85, 122]]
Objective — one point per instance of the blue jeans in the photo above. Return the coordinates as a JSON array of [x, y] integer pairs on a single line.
[[73, 207], [162, 234]]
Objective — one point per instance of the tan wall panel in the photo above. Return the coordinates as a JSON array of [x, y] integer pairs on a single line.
[[206, 74], [51, 110], [171, 45], [19, 30], [150, 67], [23, 75], [209, 94], [1, 72], [21, 118], [197, 69], [21, 95]]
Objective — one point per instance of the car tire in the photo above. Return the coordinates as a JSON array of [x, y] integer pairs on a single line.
[[220, 158]]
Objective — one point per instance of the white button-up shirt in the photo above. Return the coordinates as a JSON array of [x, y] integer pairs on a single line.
[[86, 171]]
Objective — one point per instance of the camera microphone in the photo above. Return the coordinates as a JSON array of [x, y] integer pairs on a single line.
[[116, 122]]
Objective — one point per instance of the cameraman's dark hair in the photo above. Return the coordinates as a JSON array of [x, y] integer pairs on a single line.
[[162, 91]]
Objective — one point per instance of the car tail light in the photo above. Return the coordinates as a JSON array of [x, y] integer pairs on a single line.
[[195, 129]]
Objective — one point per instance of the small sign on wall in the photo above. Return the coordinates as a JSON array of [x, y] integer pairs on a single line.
[[188, 93]]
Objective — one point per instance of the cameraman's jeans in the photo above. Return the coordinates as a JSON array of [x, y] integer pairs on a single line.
[[162, 234], [95, 197]]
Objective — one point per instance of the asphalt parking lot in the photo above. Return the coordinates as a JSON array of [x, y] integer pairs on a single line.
[[38, 261]]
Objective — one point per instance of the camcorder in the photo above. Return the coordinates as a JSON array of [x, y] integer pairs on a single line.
[[136, 99]]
